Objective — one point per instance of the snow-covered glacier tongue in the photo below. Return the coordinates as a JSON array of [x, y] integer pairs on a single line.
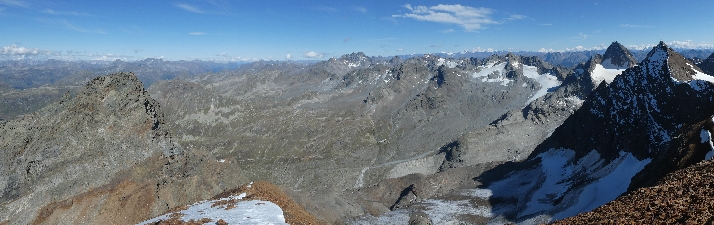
[[623, 130]]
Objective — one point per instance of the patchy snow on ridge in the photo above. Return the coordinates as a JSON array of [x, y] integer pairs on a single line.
[[450, 64], [548, 82], [447, 212], [489, 69], [608, 75], [548, 189], [242, 212], [608, 187], [699, 82]]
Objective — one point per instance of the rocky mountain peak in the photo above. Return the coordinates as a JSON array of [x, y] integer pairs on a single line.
[[355, 57], [664, 61], [618, 57], [107, 128]]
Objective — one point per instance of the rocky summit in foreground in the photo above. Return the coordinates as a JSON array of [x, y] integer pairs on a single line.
[[102, 156]]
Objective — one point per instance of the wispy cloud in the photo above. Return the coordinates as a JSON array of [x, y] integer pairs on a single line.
[[578, 48], [580, 36], [379, 39], [65, 13], [197, 33], [325, 8], [189, 8], [626, 25], [470, 18], [545, 24], [17, 3], [447, 31], [516, 17], [63, 23], [361, 9], [314, 55], [436, 45]]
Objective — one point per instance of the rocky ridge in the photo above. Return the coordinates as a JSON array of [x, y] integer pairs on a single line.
[[88, 157], [641, 109]]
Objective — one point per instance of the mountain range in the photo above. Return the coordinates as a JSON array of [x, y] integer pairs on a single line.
[[360, 140]]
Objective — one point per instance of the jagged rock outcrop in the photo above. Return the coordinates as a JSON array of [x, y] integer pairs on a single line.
[[80, 143], [620, 129]]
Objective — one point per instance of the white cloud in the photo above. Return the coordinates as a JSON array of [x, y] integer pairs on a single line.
[[189, 8], [361, 9], [326, 9], [65, 13], [546, 24], [15, 50], [70, 26], [447, 31], [401, 49], [288, 57], [689, 44], [470, 18], [436, 45], [580, 36], [635, 26], [197, 33], [578, 48], [313, 55], [516, 17], [18, 3], [479, 49]]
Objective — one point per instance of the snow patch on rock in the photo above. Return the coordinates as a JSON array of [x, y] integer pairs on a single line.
[[548, 82], [706, 136], [492, 70], [242, 212], [600, 73]]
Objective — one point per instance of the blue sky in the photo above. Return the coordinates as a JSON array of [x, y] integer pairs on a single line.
[[298, 30]]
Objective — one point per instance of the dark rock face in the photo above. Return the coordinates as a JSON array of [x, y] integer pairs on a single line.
[[618, 57], [708, 65], [640, 111], [622, 129], [78, 143]]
